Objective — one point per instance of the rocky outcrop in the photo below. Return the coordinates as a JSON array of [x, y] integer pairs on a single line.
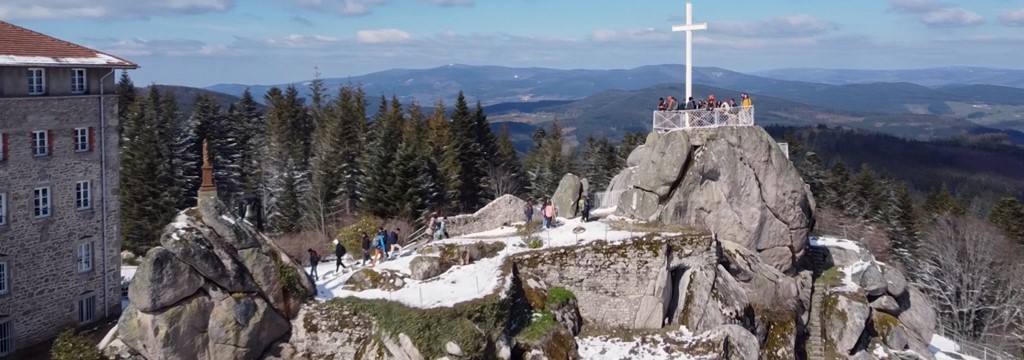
[[859, 288], [500, 212], [366, 279], [733, 181], [567, 195], [199, 297]]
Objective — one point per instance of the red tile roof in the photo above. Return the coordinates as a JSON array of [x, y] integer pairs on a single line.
[[21, 46]]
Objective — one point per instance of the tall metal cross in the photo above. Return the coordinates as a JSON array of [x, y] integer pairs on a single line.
[[689, 28]]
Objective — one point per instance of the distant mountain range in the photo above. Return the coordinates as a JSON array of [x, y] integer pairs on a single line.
[[935, 77], [917, 104], [496, 84]]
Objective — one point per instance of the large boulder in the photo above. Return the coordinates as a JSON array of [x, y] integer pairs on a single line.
[[162, 280], [843, 320], [710, 297], [212, 259], [918, 314], [567, 196], [663, 163], [872, 280], [176, 332], [502, 211], [733, 342], [199, 297], [886, 304], [426, 267], [733, 181], [243, 326], [895, 281]]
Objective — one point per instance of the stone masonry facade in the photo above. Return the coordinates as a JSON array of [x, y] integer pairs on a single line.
[[621, 285], [45, 285]]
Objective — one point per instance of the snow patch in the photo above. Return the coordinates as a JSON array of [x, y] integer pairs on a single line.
[[99, 59], [462, 283], [653, 347], [825, 241], [946, 349], [228, 219]]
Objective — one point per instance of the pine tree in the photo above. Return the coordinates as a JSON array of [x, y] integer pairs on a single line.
[[471, 157], [546, 163], [812, 169], [147, 204], [185, 150], [1008, 216], [505, 174], [442, 150], [629, 143], [943, 202], [286, 165], [837, 185], [351, 105], [902, 226], [380, 186], [329, 148], [867, 196], [126, 95], [413, 195], [251, 127]]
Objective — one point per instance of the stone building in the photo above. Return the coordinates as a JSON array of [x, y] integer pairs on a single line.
[[59, 206]]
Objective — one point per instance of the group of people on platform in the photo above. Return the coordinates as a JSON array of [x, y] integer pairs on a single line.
[[548, 211], [672, 105]]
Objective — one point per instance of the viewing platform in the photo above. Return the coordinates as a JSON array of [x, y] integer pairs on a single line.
[[665, 121]]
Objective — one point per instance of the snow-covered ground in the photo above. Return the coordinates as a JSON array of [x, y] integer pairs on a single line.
[[652, 347], [463, 283], [945, 349]]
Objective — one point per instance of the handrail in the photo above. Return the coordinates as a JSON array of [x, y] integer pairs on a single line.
[[703, 118]]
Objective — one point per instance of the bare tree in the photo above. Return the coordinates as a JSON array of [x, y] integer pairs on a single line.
[[501, 181], [970, 271]]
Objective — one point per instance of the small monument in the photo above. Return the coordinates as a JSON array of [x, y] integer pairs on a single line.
[[207, 196]]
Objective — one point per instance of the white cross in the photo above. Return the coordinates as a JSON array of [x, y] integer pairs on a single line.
[[689, 28]]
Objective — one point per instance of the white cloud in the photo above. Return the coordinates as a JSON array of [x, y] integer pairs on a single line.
[[1013, 18], [382, 36], [102, 9], [645, 35], [951, 17], [295, 41], [449, 2], [933, 13], [341, 7], [788, 26], [139, 47]]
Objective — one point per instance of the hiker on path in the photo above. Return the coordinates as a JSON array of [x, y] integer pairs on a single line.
[[549, 214], [339, 253], [378, 248], [429, 231], [314, 260], [528, 210], [393, 242], [442, 233], [366, 248], [584, 206]]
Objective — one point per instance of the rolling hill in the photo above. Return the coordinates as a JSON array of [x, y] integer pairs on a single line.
[[935, 77]]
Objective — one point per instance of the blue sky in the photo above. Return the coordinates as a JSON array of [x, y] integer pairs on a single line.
[[205, 42]]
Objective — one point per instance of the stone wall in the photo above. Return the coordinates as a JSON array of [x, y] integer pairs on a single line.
[[45, 286], [620, 285]]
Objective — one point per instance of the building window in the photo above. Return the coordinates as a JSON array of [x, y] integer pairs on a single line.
[[6, 336], [40, 143], [41, 202], [78, 81], [3, 209], [82, 139], [83, 256], [83, 195], [86, 309], [3, 147], [36, 81], [4, 274]]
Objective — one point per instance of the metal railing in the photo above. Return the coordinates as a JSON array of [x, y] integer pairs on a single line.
[[971, 348], [703, 118]]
